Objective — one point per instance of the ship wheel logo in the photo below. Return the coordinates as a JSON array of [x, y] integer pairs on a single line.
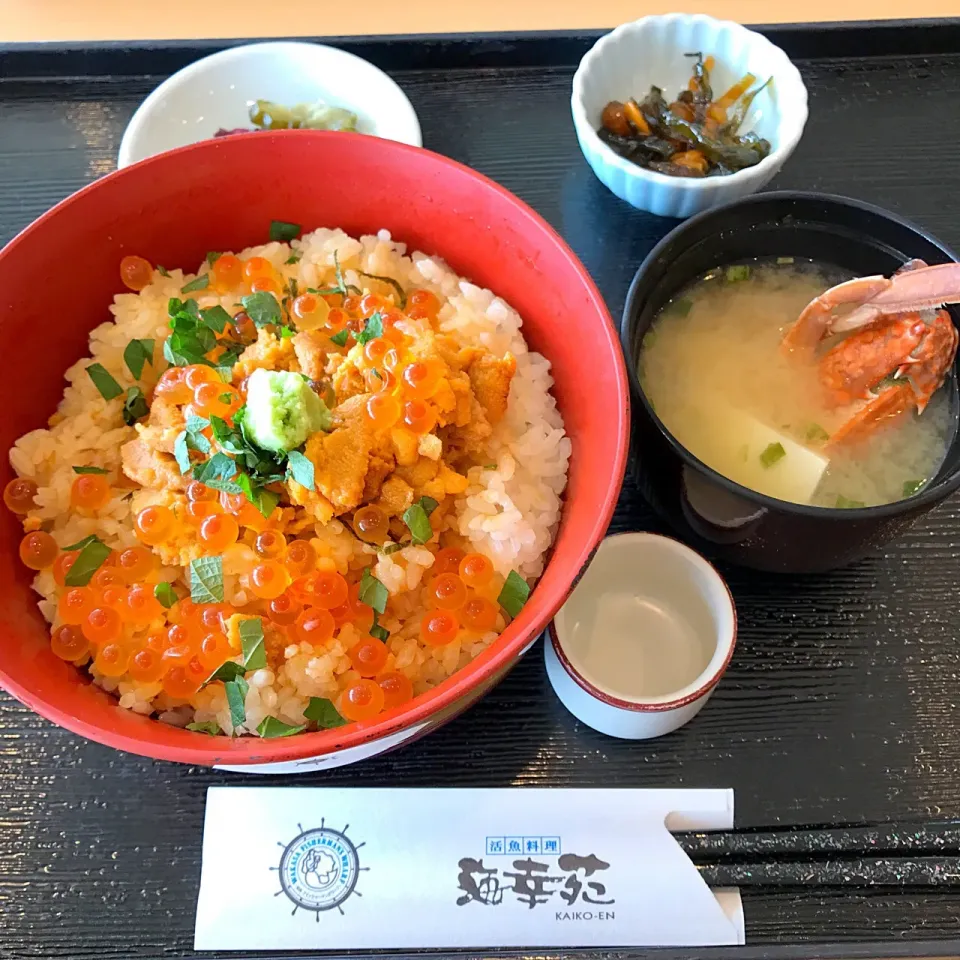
[[319, 869]]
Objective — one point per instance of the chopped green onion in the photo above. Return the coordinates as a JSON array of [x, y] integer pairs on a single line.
[[910, 487], [99, 470], [162, 271], [816, 434], [208, 726], [738, 273], [103, 381], [165, 593], [213, 257], [294, 257], [514, 594], [773, 453], [845, 503]]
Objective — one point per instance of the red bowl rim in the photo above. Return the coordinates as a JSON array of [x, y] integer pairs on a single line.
[[512, 642]]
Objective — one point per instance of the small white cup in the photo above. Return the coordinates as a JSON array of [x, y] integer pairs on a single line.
[[643, 639]]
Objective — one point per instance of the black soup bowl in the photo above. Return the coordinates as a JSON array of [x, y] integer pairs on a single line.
[[709, 511]]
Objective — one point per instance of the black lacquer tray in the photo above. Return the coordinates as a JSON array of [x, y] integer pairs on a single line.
[[842, 704]]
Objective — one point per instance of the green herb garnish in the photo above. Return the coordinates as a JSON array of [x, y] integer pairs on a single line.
[[784, 261], [284, 232], [136, 354], [162, 271], [236, 691], [80, 544], [165, 593], [135, 406], [251, 643], [295, 257], [391, 548], [206, 580], [845, 503], [99, 470], [213, 257], [372, 592], [340, 339], [270, 728], [417, 519], [738, 273], [263, 499], [216, 318], [393, 283], [514, 594], [773, 453], [286, 332], [208, 726], [301, 469], [191, 339], [378, 632], [89, 560], [181, 452], [195, 439], [218, 473], [372, 329], [910, 487], [262, 308], [103, 381], [681, 307], [323, 713], [226, 671], [200, 282]]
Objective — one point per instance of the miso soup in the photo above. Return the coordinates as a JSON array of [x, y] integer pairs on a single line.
[[712, 369]]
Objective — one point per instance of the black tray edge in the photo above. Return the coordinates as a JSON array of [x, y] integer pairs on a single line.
[[560, 48]]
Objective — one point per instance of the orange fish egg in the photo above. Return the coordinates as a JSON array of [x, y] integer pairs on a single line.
[[447, 560], [479, 614], [375, 350], [196, 511], [112, 659], [310, 312], [197, 374], [141, 605], [182, 682], [62, 565], [313, 626], [476, 570], [446, 591], [218, 532], [75, 604], [420, 379], [172, 386], [439, 628], [106, 576], [371, 524], [391, 360], [182, 644], [351, 305], [383, 410], [114, 596], [397, 689], [370, 303], [336, 321], [215, 649], [38, 550], [135, 272], [135, 563], [200, 491], [362, 700], [154, 524], [368, 656], [285, 609], [271, 545], [265, 285], [227, 271], [91, 491], [212, 617], [325, 589], [69, 643], [216, 400], [147, 666], [102, 625], [269, 579], [422, 304], [418, 417], [258, 267], [19, 495], [300, 557], [242, 329]]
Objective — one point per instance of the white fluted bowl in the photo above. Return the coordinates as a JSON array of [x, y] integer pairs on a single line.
[[650, 52]]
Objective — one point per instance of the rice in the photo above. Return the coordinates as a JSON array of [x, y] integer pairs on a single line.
[[508, 511]]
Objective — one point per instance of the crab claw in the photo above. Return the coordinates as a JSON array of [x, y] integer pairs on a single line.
[[817, 318], [925, 288]]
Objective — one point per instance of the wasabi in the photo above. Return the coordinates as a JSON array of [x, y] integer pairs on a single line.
[[282, 410]]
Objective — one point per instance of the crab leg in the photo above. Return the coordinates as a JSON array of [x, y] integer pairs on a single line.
[[889, 405]]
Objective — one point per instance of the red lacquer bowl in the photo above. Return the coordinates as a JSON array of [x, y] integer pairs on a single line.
[[58, 277]]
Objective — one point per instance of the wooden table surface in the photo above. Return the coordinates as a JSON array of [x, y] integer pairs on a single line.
[[33, 20]]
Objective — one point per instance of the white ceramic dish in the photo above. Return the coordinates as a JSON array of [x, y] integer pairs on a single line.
[[217, 91], [643, 639], [650, 51]]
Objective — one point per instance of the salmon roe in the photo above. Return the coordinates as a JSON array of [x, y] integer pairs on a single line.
[[197, 374], [172, 386], [38, 550], [371, 524], [258, 267], [300, 558], [439, 628], [310, 312], [418, 417], [102, 625], [362, 700], [62, 565], [19, 495], [181, 644], [271, 545], [420, 379], [141, 605], [446, 591], [397, 689], [353, 611], [325, 589], [75, 604], [383, 410], [115, 597], [200, 491], [375, 350], [314, 626], [214, 650], [216, 399], [370, 303], [135, 272], [147, 666], [265, 285], [91, 491], [154, 524], [184, 681], [135, 563], [227, 271], [218, 532], [106, 576], [479, 614], [447, 560], [269, 579], [368, 656], [422, 304], [112, 659], [285, 609], [196, 511], [69, 643], [212, 617], [476, 570]]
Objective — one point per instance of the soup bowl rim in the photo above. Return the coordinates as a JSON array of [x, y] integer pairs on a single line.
[[929, 496]]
